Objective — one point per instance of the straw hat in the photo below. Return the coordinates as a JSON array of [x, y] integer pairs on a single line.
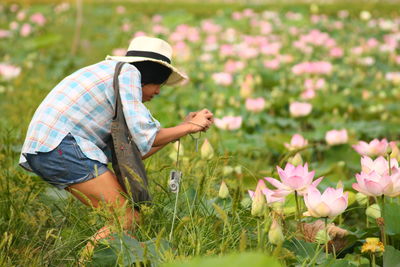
[[145, 48]]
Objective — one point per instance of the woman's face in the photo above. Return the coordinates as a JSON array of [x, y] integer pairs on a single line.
[[149, 91]]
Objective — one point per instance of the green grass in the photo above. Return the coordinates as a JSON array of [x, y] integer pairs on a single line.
[[40, 226]]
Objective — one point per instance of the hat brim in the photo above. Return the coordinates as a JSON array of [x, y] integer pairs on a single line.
[[175, 78]]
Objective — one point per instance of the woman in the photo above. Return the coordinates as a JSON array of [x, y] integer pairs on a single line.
[[66, 143]]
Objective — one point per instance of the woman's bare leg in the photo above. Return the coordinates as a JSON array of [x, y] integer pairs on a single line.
[[105, 189]]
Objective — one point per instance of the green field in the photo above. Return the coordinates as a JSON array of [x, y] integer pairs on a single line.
[[42, 226]]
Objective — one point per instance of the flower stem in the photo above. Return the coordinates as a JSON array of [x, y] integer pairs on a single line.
[[366, 216], [373, 260], [383, 224], [297, 206], [326, 236], [259, 233]]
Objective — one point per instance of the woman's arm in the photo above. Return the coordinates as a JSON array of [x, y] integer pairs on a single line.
[[198, 122], [167, 135], [153, 150]]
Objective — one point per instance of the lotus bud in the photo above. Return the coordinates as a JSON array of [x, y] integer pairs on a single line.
[[238, 169], [322, 237], [226, 170], [361, 199], [246, 88], [352, 197], [174, 150], [373, 211], [259, 203], [206, 150], [277, 206], [296, 160], [275, 234], [223, 191], [394, 150]]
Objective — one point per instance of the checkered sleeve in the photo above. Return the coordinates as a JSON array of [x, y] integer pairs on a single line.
[[139, 120]]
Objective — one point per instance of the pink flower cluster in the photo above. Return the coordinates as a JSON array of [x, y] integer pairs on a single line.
[[222, 78], [268, 193], [300, 109], [8, 71], [255, 104], [317, 67], [330, 203], [374, 148], [310, 86], [377, 179], [229, 123], [297, 142], [336, 137], [294, 178]]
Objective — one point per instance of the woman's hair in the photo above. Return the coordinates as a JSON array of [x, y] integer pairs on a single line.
[[152, 72]]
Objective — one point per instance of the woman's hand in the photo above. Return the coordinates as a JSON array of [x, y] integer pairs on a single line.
[[194, 122], [189, 117], [200, 120]]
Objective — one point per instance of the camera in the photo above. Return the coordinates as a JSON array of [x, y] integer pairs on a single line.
[[174, 179]]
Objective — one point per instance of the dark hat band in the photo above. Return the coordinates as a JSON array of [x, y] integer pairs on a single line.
[[153, 55]]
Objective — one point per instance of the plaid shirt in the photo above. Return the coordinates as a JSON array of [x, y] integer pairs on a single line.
[[83, 104]]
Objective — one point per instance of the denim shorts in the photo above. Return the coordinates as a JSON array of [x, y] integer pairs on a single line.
[[65, 165]]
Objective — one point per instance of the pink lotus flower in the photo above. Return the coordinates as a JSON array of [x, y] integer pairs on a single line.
[[232, 66], [8, 72], [4, 34], [21, 15], [270, 48], [126, 27], [319, 67], [14, 25], [375, 178], [210, 27], [255, 104], [157, 18], [397, 59], [371, 184], [269, 194], [336, 52], [392, 189], [393, 76], [331, 203], [226, 50], [229, 123], [314, 84], [38, 18], [258, 200], [308, 94], [299, 109], [120, 9], [379, 165], [293, 179], [297, 142], [272, 64], [336, 137], [222, 78], [373, 148], [26, 29]]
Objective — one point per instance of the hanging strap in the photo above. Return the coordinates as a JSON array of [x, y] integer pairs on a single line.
[[118, 105]]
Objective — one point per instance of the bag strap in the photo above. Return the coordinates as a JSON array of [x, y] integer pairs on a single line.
[[118, 106]]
